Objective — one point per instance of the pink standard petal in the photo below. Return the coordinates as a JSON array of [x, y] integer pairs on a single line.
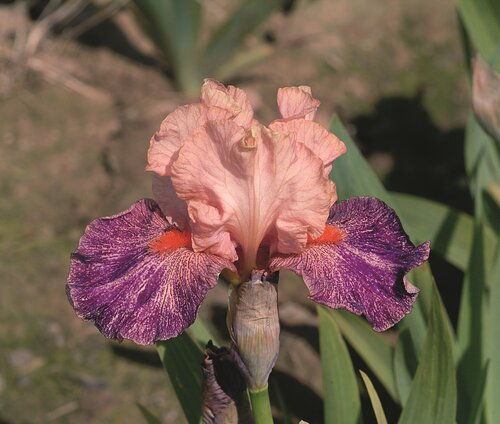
[[129, 289], [165, 143], [322, 142], [174, 209], [363, 268], [297, 102], [230, 99], [209, 231], [250, 187], [175, 128]]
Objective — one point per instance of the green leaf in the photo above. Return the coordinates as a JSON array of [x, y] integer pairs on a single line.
[[493, 383], [451, 231], [351, 173], [375, 400], [200, 332], [477, 316], [405, 364], [472, 325], [277, 395], [242, 60], [148, 415], [341, 393], [374, 348], [482, 162], [433, 395], [181, 358], [482, 21], [491, 202], [416, 322], [243, 21], [365, 182], [476, 408], [354, 177], [174, 26]]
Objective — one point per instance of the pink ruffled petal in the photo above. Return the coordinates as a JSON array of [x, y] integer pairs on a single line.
[[210, 233], [297, 102], [247, 187], [230, 99], [174, 209], [174, 129], [135, 276], [323, 143]]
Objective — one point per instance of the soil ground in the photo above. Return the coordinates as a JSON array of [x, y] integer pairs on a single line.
[[70, 153]]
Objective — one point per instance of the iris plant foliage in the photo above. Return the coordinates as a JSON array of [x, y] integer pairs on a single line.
[[176, 27], [239, 201]]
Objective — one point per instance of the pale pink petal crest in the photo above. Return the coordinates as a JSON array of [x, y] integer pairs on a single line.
[[230, 99], [322, 142], [297, 102], [175, 128], [166, 142]]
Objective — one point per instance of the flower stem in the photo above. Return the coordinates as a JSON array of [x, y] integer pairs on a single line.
[[261, 407]]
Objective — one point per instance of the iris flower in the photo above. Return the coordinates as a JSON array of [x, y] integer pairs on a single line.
[[234, 195]]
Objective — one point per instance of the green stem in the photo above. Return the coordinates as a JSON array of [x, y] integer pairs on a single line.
[[261, 407]]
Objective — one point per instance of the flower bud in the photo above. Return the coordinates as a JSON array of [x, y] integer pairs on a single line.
[[224, 397], [253, 324], [486, 97]]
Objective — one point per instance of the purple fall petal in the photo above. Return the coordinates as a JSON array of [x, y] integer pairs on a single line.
[[365, 271], [131, 291]]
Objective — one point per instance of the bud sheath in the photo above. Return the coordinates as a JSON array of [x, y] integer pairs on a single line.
[[253, 324]]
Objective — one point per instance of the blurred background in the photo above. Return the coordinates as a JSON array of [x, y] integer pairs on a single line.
[[83, 86]]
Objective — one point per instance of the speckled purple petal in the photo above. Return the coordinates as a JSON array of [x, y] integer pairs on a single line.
[[365, 271], [131, 291]]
